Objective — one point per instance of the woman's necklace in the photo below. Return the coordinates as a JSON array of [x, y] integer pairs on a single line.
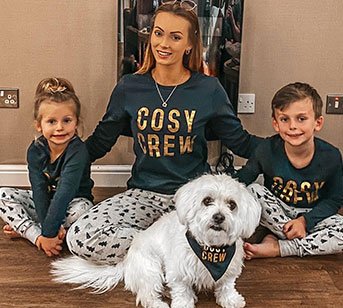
[[165, 101]]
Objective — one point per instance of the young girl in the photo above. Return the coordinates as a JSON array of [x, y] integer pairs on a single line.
[[170, 106], [59, 172]]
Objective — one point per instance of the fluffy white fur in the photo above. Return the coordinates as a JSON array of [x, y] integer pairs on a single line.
[[161, 256]]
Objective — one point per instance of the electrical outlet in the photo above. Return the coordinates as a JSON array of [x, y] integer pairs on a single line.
[[334, 103], [9, 98], [246, 103]]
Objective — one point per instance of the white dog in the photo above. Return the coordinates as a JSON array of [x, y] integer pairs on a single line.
[[199, 245]]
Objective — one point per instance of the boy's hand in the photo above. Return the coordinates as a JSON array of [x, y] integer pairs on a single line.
[[51, 246], [295, 228]]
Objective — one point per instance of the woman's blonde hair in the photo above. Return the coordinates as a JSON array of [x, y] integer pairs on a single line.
[[193, 60]]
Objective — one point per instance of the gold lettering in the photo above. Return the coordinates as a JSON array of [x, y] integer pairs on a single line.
[[174, 128], [153, 144], [209, 256], [141, 142], [168, 145], [142, 124], [317, 186], [186, 145], [189, 119], [289, 191], [222, 257], [305, 187], [213, 257], [157, 119], [277, 183]]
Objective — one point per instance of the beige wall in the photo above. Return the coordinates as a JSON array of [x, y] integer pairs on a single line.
[[283, 41], [76, 39], [292, 40]]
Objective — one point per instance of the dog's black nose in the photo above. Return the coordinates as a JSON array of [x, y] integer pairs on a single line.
[[218, 218]]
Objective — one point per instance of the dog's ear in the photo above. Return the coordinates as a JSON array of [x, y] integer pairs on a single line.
[[184, 199], [250, 213]]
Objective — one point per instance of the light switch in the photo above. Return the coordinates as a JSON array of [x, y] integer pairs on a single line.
[[334, 103]]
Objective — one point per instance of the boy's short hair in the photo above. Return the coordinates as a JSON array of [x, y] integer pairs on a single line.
[[294, 92]]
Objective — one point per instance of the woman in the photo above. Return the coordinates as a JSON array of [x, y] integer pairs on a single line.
[[169, 104]]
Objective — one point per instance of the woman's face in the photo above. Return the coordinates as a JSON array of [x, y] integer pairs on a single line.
[[170, 39]]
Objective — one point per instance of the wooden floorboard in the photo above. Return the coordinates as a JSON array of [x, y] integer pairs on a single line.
[[279, 282]]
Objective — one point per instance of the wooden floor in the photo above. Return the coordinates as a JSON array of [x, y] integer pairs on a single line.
[[288, 282]]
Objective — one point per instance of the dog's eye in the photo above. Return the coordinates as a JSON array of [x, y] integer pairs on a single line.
[[232, 204], [207, 201]]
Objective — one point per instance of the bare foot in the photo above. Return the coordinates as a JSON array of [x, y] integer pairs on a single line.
[[268, 248], [8, 230]]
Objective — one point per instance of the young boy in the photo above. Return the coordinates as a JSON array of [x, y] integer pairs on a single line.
[[303, 180]]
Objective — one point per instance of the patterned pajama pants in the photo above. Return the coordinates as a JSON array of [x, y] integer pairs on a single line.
[[325, 238], [18, 210], [104, 234]]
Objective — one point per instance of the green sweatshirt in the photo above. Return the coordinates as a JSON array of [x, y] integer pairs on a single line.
[[55, 184], [169, 142], [318, 186]]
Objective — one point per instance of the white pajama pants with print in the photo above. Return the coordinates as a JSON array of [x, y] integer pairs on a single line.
[[17, 209], [325, 238], [104, 234]]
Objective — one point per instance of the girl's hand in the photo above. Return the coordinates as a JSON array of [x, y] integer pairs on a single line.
[[295, 228], [51, 246], [62, 233]]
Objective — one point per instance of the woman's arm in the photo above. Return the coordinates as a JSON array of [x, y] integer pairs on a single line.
[[227, 126], [114, 122]]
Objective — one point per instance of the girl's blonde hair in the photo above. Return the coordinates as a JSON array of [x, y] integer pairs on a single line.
[[57, 90], [192, 61]]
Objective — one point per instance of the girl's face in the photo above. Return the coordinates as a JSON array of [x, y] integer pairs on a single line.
[[170, 39], [58, 123]]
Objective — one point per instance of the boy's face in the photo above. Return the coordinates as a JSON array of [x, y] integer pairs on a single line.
[[296, 124]]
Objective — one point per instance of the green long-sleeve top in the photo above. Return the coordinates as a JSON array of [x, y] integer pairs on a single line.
[[318, 186], [169, 142], [55, 184]]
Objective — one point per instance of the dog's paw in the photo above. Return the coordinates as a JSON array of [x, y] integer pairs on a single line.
[[159, 304], [182, 303], [155, 303], [232, 301]]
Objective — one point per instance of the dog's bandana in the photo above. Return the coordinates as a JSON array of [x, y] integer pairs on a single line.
[[215, 259]]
